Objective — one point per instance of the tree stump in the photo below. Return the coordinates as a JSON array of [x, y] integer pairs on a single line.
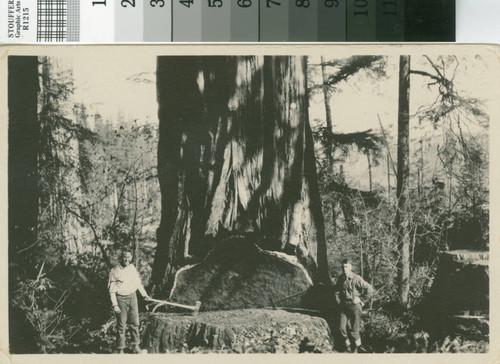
[[461, 285], [237, 275], [237, 331], [459, 299]]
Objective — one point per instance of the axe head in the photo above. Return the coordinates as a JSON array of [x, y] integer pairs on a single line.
[[196, 308], [273, 304]]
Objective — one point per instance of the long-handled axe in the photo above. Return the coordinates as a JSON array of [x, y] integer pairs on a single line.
[[160, 303], [273, 302]]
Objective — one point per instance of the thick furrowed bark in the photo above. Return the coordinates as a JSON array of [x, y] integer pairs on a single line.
[[232, 158]]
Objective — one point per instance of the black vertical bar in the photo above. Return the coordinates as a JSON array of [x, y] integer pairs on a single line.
[[22, 178], [259, 18], [430, 20], [390, 20]]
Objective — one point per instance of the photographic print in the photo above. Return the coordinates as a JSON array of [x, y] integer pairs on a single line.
[[278, 200]]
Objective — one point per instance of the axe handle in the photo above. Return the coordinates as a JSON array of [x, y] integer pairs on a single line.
[[291, 296], [192, 308]]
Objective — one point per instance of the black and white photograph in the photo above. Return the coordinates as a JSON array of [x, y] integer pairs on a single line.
[[239, 200]]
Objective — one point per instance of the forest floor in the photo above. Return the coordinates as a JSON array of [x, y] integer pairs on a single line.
[[279, 331]]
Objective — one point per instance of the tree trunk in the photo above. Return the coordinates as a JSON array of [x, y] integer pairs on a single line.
[[369, 160], [388, 179], [347, 206], [24, 132], [329, 128], [334, 217], [326, 95], [421, 170], [402, 216], [235, 156]]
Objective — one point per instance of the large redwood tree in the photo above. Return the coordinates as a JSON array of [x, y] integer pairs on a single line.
[[235, 157]]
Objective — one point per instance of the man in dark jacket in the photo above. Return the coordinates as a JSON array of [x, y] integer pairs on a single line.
[[351, 292]]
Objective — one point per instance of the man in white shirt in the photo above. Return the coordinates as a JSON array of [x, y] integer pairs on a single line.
[[124, 281]]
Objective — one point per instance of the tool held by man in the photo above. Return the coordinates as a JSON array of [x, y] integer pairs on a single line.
[[159, 303], [273, 302]]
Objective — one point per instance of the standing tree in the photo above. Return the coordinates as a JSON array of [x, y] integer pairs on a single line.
[[402, 215], [236, 156], [333, 73], [24, 132], [452, 111]]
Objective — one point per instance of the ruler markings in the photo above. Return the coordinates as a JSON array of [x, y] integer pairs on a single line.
[[259, 21], [303, 20], [361, 20], [274, 20], [245, 21], [332, 20], [390, 20], [216, 20], [99, 21], [129, 20], [187, 21], [102, 26], [157, 20], [430, 20]]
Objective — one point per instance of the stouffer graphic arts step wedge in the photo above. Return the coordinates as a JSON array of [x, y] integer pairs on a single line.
[[144, 21]]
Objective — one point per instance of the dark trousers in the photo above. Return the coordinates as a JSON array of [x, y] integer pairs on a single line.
[[129, 313], [350, 323]]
